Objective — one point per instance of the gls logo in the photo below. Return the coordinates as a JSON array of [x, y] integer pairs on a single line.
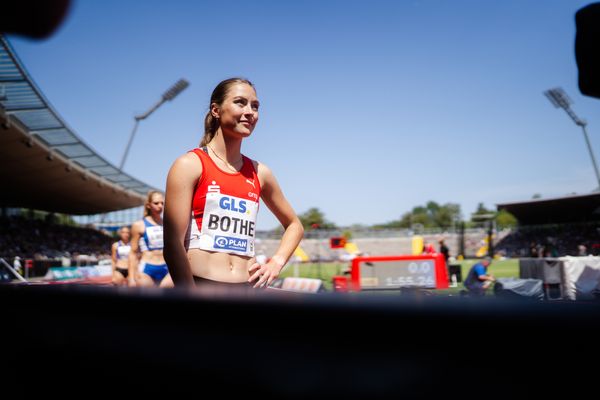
[[227, 203]]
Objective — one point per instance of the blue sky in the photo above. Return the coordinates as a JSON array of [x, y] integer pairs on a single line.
[[368, 108]]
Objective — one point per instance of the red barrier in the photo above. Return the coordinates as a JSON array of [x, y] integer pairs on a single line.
[[340, 283], [392, 272]]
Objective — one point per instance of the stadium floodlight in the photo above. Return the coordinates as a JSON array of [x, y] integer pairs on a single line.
[[169, 95], [559, 99]]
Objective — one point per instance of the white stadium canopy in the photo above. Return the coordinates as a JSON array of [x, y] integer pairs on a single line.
[[44, 165]]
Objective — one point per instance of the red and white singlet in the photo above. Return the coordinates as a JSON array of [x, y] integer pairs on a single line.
[[224, 208]]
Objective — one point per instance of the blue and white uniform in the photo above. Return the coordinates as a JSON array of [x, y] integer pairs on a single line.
[[123, 250], [152, 239]]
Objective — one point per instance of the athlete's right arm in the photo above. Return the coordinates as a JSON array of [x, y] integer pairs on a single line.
[[113, 251], [137, 229], [181, 182]]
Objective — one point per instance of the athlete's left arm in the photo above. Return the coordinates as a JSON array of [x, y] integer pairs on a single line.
[[273, 197]]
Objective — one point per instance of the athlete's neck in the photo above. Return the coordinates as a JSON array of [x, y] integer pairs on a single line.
[[157, 219], [227, 148]]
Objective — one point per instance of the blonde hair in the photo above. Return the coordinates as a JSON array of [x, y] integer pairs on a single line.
[[149, 200], [211, 124]]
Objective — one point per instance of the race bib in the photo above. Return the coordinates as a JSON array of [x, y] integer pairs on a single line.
[[123, 251], [155, 237], [228, 225]]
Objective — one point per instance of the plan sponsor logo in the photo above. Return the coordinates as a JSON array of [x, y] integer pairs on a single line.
[[230, 243]]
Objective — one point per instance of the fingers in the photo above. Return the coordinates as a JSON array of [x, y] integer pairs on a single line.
[[262, 275], [270, 280], [263, 278], [254, 276], [262, 281], [254, 271], [254, 267]]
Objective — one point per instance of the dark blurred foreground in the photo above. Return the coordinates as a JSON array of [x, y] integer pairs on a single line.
[[83, 340]]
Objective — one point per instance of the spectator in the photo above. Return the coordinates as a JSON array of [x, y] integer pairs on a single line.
[[444, 250], [533, 250], [478, 279], [428, 248], [17, 265]]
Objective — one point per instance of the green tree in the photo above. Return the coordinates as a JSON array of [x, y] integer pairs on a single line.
[[504, 219], [313, 217], [432, 215], [482, 210], [446, 215], [481, 217]]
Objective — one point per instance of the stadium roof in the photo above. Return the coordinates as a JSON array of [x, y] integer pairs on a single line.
[[568, 209], [44, 165]]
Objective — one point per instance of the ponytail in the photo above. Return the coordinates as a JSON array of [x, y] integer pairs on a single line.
[[211, 124]]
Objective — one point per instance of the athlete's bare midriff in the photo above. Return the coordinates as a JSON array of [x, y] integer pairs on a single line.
[[220, 267], [122, 263], [153, 257]]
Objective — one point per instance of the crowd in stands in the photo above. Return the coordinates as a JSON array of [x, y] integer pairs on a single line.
[[552, 241], [40, 239]]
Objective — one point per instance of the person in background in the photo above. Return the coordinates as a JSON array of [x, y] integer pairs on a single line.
[[149, 267], [17, 265], [428, 248], [444, 250], [533, 250], [120, 257], [478, 279]]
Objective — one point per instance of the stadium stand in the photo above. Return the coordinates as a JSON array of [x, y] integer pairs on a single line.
[[58, 172], [555, 227], [567, 209], [38, 239], [553, 240]]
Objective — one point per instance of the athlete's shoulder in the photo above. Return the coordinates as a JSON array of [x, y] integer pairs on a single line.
[[138, 225], [261, 166], [263, 171], [191, 157], [187, 164]]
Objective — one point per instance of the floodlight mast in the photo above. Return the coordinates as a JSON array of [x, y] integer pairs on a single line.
[[559, 99], [169, 95]]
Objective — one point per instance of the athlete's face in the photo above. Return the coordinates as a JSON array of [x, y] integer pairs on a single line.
[[238, 114], [157, 203], [125, 234]]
